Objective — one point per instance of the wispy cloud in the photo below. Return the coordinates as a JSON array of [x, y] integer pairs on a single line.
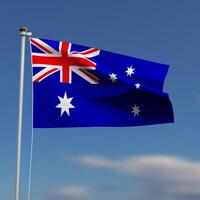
[[156, 175], [71, 192]]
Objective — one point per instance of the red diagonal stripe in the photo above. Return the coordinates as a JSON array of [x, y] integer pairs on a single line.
[[40, 46], [94, 78], [45, 74], [90, 51], [86, 52]]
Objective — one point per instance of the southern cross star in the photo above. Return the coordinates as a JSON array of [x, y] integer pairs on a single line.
[[113, 77], [130, 71], [65, 104], [137, 86], [136, 110]]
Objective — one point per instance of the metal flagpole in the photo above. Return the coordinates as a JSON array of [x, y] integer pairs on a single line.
[[23, 32]]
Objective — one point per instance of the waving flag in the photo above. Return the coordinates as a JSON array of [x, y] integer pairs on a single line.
[[79, 86]]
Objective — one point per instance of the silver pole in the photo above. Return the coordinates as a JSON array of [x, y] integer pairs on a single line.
[[23, 33]]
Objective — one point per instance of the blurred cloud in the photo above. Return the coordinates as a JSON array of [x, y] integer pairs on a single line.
[[71, 192], [157, 176]]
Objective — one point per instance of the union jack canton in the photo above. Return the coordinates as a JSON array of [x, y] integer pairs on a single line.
[[79, 86], [63, 60]]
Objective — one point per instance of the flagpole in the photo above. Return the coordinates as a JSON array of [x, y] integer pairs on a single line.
[[23, 32]]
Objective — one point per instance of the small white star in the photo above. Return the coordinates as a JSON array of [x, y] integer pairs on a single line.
[[130, 71], [113, 77], [137, 86], [136, 110], [65, 104]]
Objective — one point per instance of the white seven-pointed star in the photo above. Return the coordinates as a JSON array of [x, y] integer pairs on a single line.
[[136, 110], [137, 86], [130, 71], [113, 77], [65, 104]]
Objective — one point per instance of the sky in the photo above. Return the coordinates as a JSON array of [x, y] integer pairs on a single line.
[[150, 162]]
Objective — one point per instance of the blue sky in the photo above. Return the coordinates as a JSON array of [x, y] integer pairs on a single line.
[[158, 162]]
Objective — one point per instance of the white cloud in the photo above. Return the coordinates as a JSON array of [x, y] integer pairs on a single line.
[[169, 176], [72, 192]]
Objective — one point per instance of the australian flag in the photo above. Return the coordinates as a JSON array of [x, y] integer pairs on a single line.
[[79, 86]]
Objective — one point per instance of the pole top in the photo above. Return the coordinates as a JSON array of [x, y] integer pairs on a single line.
[[23, 29]]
